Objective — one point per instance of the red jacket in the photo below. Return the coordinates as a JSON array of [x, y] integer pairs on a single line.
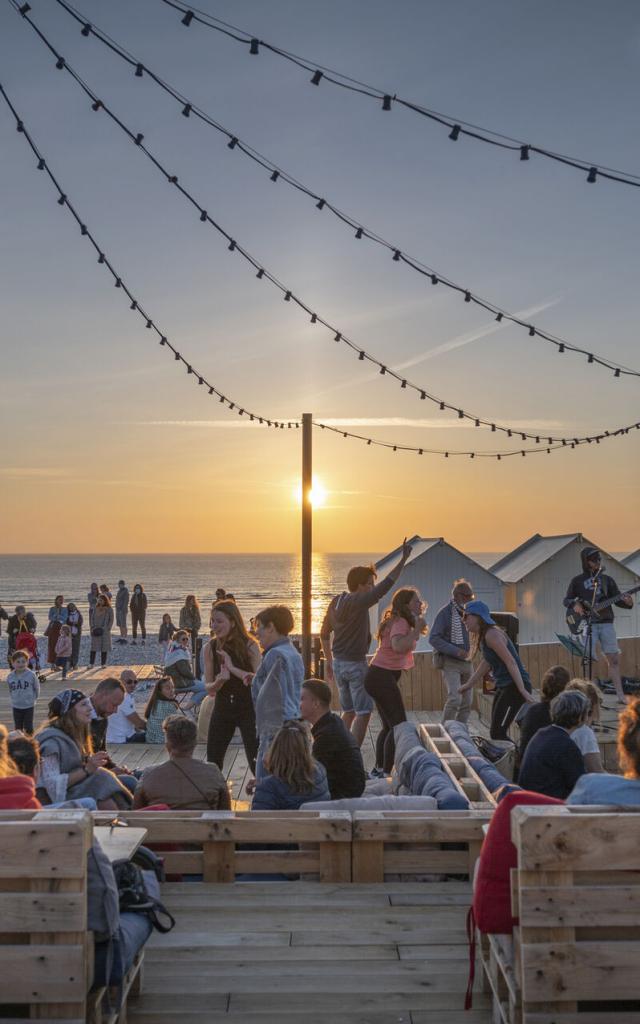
[[18, 793]]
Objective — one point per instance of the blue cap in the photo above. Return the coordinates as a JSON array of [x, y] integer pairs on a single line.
[[480, 609]]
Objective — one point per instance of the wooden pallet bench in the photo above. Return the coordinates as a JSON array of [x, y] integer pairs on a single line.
[[574, 957], [46, 952]]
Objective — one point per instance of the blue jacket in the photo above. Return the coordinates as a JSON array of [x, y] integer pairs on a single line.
[[440, 633], [290, 676], [272, 794]]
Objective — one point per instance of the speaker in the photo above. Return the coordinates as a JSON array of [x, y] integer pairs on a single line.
[[510, 623]]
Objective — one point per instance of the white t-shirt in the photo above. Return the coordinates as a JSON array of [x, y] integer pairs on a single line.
[[118, 727], [585, 740]]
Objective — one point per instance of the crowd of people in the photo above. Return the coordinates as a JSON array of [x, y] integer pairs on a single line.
[[295, 746]]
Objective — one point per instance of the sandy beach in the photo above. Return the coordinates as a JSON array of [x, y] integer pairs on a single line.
[[120, 654]]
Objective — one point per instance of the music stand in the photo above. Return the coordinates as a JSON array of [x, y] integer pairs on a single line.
[[570, 645], [587, 651]]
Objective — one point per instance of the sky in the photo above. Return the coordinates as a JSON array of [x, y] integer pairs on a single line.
[[109, 446]]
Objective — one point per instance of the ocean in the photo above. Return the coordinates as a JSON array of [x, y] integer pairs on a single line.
[[255, 580]]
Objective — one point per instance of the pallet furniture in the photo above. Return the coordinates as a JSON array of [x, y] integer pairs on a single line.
[[573, 958], [46, 952], [435, 738]]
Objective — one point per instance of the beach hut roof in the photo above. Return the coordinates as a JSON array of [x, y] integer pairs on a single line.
[[632, 561], [419, 547], [523, 560]]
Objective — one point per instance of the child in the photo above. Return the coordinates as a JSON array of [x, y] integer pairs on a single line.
[[24, 690], [162, 704], [64, 647], [167, 629]]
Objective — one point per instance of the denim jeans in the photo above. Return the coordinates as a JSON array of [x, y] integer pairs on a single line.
[[349, 677]]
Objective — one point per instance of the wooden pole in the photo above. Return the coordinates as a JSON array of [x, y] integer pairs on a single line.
[[307, 514]]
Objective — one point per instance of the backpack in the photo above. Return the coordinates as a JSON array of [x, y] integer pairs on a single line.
[[138, 888]]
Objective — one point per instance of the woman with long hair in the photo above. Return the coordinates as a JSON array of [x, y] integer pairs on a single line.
[[499, 656], [293, 778], [401, 627], [190, 618], [69, 767], [538, 716], [75, 621], [101, 630], [161, 704], [92, 598], [230, 659], [58, 615]]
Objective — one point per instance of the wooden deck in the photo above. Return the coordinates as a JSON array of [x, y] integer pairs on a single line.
[[282, 953], [142, 755]]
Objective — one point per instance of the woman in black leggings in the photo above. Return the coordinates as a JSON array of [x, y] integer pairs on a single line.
[[399, 632], [230, 660]]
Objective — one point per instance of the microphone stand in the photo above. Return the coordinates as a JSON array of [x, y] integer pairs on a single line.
[[587, 651]]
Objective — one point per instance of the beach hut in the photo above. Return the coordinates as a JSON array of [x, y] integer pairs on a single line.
[[536, 576], [632, 562], [432, 567]]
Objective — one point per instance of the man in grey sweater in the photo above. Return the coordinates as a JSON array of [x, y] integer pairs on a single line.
[[347, 618]]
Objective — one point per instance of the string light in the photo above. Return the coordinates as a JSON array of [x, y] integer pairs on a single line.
[[457, 126], [288, 294], [224, 399], [276, 173]]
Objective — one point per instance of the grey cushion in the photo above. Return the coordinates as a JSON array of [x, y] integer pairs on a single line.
[[375, 803]]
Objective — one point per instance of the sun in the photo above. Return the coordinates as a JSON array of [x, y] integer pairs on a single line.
[[318, 494]]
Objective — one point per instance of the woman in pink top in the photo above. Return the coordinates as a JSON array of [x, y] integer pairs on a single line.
[[399, 632]]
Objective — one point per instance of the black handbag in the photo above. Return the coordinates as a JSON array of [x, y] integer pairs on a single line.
[[134, 896], [97, 631]]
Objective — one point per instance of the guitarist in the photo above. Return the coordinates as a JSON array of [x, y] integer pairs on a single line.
[[589, 588]]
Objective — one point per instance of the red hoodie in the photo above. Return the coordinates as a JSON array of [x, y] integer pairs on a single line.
[[18, 793]]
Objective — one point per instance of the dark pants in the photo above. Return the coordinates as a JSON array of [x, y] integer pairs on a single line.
[[23, 719], [382, 685], [507, 701], [63, 663], [75, 649], [138, 619], [103, 657], [221, 729]]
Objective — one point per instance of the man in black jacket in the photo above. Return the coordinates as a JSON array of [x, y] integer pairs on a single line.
[[334, 746], [590, 588]]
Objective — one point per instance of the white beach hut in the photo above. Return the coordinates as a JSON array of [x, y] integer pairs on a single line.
[[432, 568], [536, 576], [632, 562]]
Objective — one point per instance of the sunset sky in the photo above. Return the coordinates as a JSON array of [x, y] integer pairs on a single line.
[[108, 446]]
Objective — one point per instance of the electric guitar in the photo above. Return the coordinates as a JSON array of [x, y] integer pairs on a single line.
[[578, 623]]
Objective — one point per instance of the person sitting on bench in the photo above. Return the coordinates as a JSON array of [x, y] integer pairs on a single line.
[[183, 782], [334, 745]]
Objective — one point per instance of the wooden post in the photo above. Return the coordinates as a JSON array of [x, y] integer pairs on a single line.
[[307, 514]]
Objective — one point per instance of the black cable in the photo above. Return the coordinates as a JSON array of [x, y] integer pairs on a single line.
[[63, 200], [277, 173], [339, 336], [457, 125]]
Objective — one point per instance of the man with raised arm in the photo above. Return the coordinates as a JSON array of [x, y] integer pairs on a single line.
[[347, 618]]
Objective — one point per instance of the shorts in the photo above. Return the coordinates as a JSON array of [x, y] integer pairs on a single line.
[[121, 618], [349, 677], [604, 633]]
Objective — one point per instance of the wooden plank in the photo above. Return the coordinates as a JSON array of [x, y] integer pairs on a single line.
[[553, 837], [42, 973], [414, 934], [46, 850], [49, 912], [335, 862], [280, 1016], [332, 1002], [562, 971], [580, 906], [219, 862], [206, 954], [595, 1017], [119, 843], [418, 861], [367, 861], [427, 827]]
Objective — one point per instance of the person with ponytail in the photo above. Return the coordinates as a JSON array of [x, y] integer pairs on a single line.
[[499, 656], [401, 627], [618, 790]]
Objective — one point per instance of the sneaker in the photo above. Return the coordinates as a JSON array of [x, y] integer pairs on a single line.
[[133, 643], [377, 773], [121, 640]]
